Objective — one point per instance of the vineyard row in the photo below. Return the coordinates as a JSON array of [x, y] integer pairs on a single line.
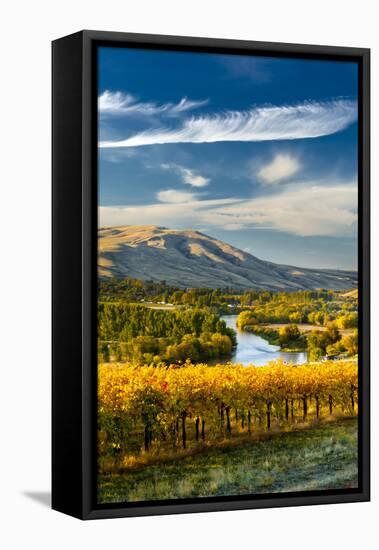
[[142, 405]]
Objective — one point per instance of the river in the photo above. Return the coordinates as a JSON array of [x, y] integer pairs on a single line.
[[253, 349]]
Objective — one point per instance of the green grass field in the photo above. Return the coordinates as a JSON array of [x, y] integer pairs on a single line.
[[321, 457]]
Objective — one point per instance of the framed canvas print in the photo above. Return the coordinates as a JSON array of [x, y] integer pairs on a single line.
[[210, 275]]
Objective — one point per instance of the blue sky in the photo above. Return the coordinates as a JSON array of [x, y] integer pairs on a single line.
[[259, 152]]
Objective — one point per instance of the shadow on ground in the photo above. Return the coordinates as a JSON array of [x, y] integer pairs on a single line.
[[41, 497]]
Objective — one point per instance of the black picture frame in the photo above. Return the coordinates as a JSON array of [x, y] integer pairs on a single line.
[[74, 205]]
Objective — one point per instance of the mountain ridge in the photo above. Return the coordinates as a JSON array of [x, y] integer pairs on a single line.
[[192, 259]]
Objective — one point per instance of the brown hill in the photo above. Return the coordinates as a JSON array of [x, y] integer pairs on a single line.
[[186, 258]]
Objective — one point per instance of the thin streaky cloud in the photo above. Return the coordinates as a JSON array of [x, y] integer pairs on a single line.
[[174, 196], [299, 209], [180, 214], [120, 103], [305, 120], [186, 104], [306, 209]]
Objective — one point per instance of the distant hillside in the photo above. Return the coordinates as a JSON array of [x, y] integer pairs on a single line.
[[187, 258]]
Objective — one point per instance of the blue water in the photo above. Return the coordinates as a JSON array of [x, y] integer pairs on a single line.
[[253, 349]]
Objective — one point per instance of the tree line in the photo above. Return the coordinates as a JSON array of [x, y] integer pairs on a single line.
[[135, 332], [313, 306], [318, 343]]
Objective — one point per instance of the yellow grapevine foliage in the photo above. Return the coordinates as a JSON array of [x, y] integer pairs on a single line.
[[149, 404]]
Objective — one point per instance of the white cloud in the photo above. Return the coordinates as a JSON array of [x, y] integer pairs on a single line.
[[196, 180], [306, 120], [176, 215], [174, 196], [114, 102], [186, 104], [119, 103], [188, 176], [282, 167], [299, 209]]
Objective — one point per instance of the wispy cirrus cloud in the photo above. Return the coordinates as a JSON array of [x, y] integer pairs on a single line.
[[120, 103], [305, 120], [188, 176], [282, 167]]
